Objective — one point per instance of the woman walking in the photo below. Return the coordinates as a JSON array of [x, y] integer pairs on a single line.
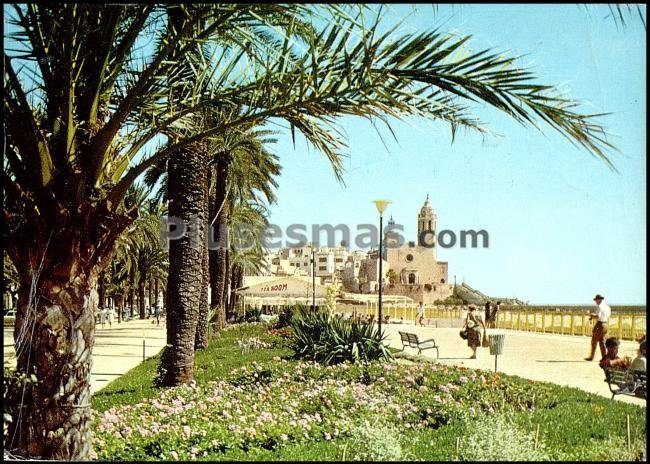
[[420, 316], [473, 324]]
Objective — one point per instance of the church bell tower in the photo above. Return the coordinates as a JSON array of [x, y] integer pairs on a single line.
[[426, 223]]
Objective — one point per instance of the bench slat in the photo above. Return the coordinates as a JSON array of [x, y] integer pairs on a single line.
[[625, 382]]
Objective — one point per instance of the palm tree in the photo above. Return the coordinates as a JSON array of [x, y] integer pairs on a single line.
[[89, 110], [187, 191], [241, 167], [246, 251], [245, 170], [138, 249]]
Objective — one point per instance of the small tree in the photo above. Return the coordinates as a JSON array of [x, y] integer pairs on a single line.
[[332, 292], [392, 276]]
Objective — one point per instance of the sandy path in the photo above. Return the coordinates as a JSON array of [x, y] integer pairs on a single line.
[[545, 357], [118, 348]]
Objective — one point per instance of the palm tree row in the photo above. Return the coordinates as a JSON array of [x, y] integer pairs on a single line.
[[97, 95], [140, 262]]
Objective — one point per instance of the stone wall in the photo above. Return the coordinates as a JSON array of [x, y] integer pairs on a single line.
[[427, 293]]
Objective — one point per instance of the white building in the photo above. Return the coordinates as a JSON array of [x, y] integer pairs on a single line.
[[296, 261]]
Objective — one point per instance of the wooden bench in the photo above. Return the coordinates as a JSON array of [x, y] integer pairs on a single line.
[[412, 340], [625, 382]]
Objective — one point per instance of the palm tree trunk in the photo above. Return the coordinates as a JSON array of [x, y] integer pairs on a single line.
[[219, 207], [150, 294], [54, 333], [155, 289], [121, 309], [226, 286], [236, 282], [102, 291], [201, 338], [187, 193], [131, 290], [55, 418], [141, 302]]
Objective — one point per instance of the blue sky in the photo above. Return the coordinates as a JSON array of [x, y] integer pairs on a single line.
[[562, 225]]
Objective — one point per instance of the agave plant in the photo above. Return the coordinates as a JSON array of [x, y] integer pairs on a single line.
[[328, 339]]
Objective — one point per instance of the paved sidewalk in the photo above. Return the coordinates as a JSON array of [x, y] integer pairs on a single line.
[[544, 357], [118, 348]]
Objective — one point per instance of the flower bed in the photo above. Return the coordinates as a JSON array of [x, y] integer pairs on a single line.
[[266, 409]]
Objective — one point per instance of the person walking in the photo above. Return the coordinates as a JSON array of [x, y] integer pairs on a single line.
[[109, 316], [487, 311], [492, 322], [420, 316], [102, 316], [600, 327], [159, 303], [473, 324]]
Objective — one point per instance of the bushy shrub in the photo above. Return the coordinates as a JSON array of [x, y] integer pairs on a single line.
[[250, 315], [373, 442], [285, 315], [496, 438], [329, 339], [610, 449]]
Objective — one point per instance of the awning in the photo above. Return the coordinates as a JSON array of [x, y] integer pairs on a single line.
[[283, 287]]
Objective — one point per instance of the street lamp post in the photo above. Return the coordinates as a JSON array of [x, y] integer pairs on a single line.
[[313, 279], [381, 206]]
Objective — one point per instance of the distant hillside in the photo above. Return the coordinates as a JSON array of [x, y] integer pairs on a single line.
[[470, 295]]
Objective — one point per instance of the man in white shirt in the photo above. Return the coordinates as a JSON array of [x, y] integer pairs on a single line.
[[600, 328]]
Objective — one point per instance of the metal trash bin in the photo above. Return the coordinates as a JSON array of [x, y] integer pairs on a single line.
[[496, 343]]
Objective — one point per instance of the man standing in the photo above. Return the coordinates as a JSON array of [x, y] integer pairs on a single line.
[[487, 311], [493, 315], [159, 307], [600, 328]]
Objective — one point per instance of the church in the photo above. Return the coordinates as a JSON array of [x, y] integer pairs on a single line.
[[410, 269]]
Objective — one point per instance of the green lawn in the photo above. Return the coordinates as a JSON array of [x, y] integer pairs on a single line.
[[256, 402], [213, 363]]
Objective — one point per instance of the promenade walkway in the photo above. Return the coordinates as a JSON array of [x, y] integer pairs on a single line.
[[543, 357], [117, 349]]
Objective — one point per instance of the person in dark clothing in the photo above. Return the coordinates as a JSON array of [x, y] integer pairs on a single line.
[[611, 358], [487, 311], [492, 321], [473, 324]]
